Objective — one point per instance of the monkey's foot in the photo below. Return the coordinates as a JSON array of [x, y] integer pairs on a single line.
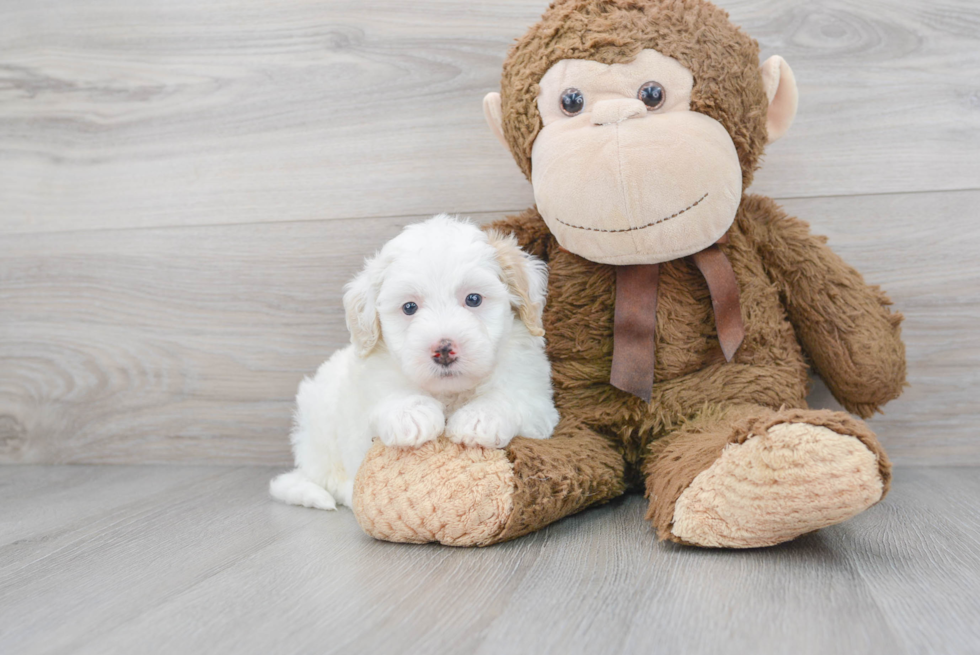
[[777, 481], [440, 491], [472, 496]]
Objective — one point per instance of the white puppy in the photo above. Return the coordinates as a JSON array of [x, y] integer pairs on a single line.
[[445, 322]]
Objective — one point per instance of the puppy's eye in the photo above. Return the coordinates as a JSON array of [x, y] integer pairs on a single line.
[[572, 101], [474, 300], [410, 308], [652, 94]]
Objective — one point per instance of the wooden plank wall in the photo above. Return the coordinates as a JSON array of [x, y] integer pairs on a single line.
[[185, 186]]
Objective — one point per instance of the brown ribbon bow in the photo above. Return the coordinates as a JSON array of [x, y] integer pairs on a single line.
[[636, 317]]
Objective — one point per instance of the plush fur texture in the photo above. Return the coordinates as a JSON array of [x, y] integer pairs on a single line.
[[790, 284], [489, 383], [709, 421]]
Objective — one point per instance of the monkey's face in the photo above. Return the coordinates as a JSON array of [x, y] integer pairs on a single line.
[[623, 171]]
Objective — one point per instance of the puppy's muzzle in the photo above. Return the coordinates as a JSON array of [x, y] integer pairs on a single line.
[[444, 353]]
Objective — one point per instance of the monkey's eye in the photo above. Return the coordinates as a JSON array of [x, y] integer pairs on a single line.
[[474, 300], [410, 308], [572, 101], [652, 94]]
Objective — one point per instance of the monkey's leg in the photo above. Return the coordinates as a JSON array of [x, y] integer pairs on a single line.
[[749, 476], [462, 496]]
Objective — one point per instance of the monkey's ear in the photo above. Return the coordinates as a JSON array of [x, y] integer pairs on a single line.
[[360, 307], [495, 116], [780, 85], [526, 277]]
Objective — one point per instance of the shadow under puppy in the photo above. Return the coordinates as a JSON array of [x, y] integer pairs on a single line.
[[445, 323]]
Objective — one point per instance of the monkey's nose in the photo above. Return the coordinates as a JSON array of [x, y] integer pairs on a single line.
[[610, 112], [444, 353]]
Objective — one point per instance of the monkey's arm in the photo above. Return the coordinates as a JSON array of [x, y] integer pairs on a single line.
[[462, 496], [529, 228], [852, 338]]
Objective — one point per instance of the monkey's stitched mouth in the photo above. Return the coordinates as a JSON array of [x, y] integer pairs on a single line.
[[641, 227]]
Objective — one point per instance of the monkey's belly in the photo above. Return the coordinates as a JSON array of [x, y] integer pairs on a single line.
[[690, 370]]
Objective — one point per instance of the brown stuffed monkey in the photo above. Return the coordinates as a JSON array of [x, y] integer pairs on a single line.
[[682, 313]]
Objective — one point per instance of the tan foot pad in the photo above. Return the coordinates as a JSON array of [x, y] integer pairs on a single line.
[[439, 491], [794, 479]]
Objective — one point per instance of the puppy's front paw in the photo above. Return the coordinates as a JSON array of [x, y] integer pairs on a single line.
[[482, 425], [409, 422]]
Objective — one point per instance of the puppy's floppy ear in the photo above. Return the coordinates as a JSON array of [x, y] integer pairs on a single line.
[[526, 277], [360, 306]]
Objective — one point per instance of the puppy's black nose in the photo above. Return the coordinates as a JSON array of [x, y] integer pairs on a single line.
[[444, 354]]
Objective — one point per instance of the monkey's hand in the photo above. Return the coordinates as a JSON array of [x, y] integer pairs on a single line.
[[845, 325]]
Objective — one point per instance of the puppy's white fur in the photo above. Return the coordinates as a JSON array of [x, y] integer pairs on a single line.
[[388, 384]]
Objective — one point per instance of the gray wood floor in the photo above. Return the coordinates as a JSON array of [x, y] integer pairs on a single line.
[[176, 559], [185, 186]]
